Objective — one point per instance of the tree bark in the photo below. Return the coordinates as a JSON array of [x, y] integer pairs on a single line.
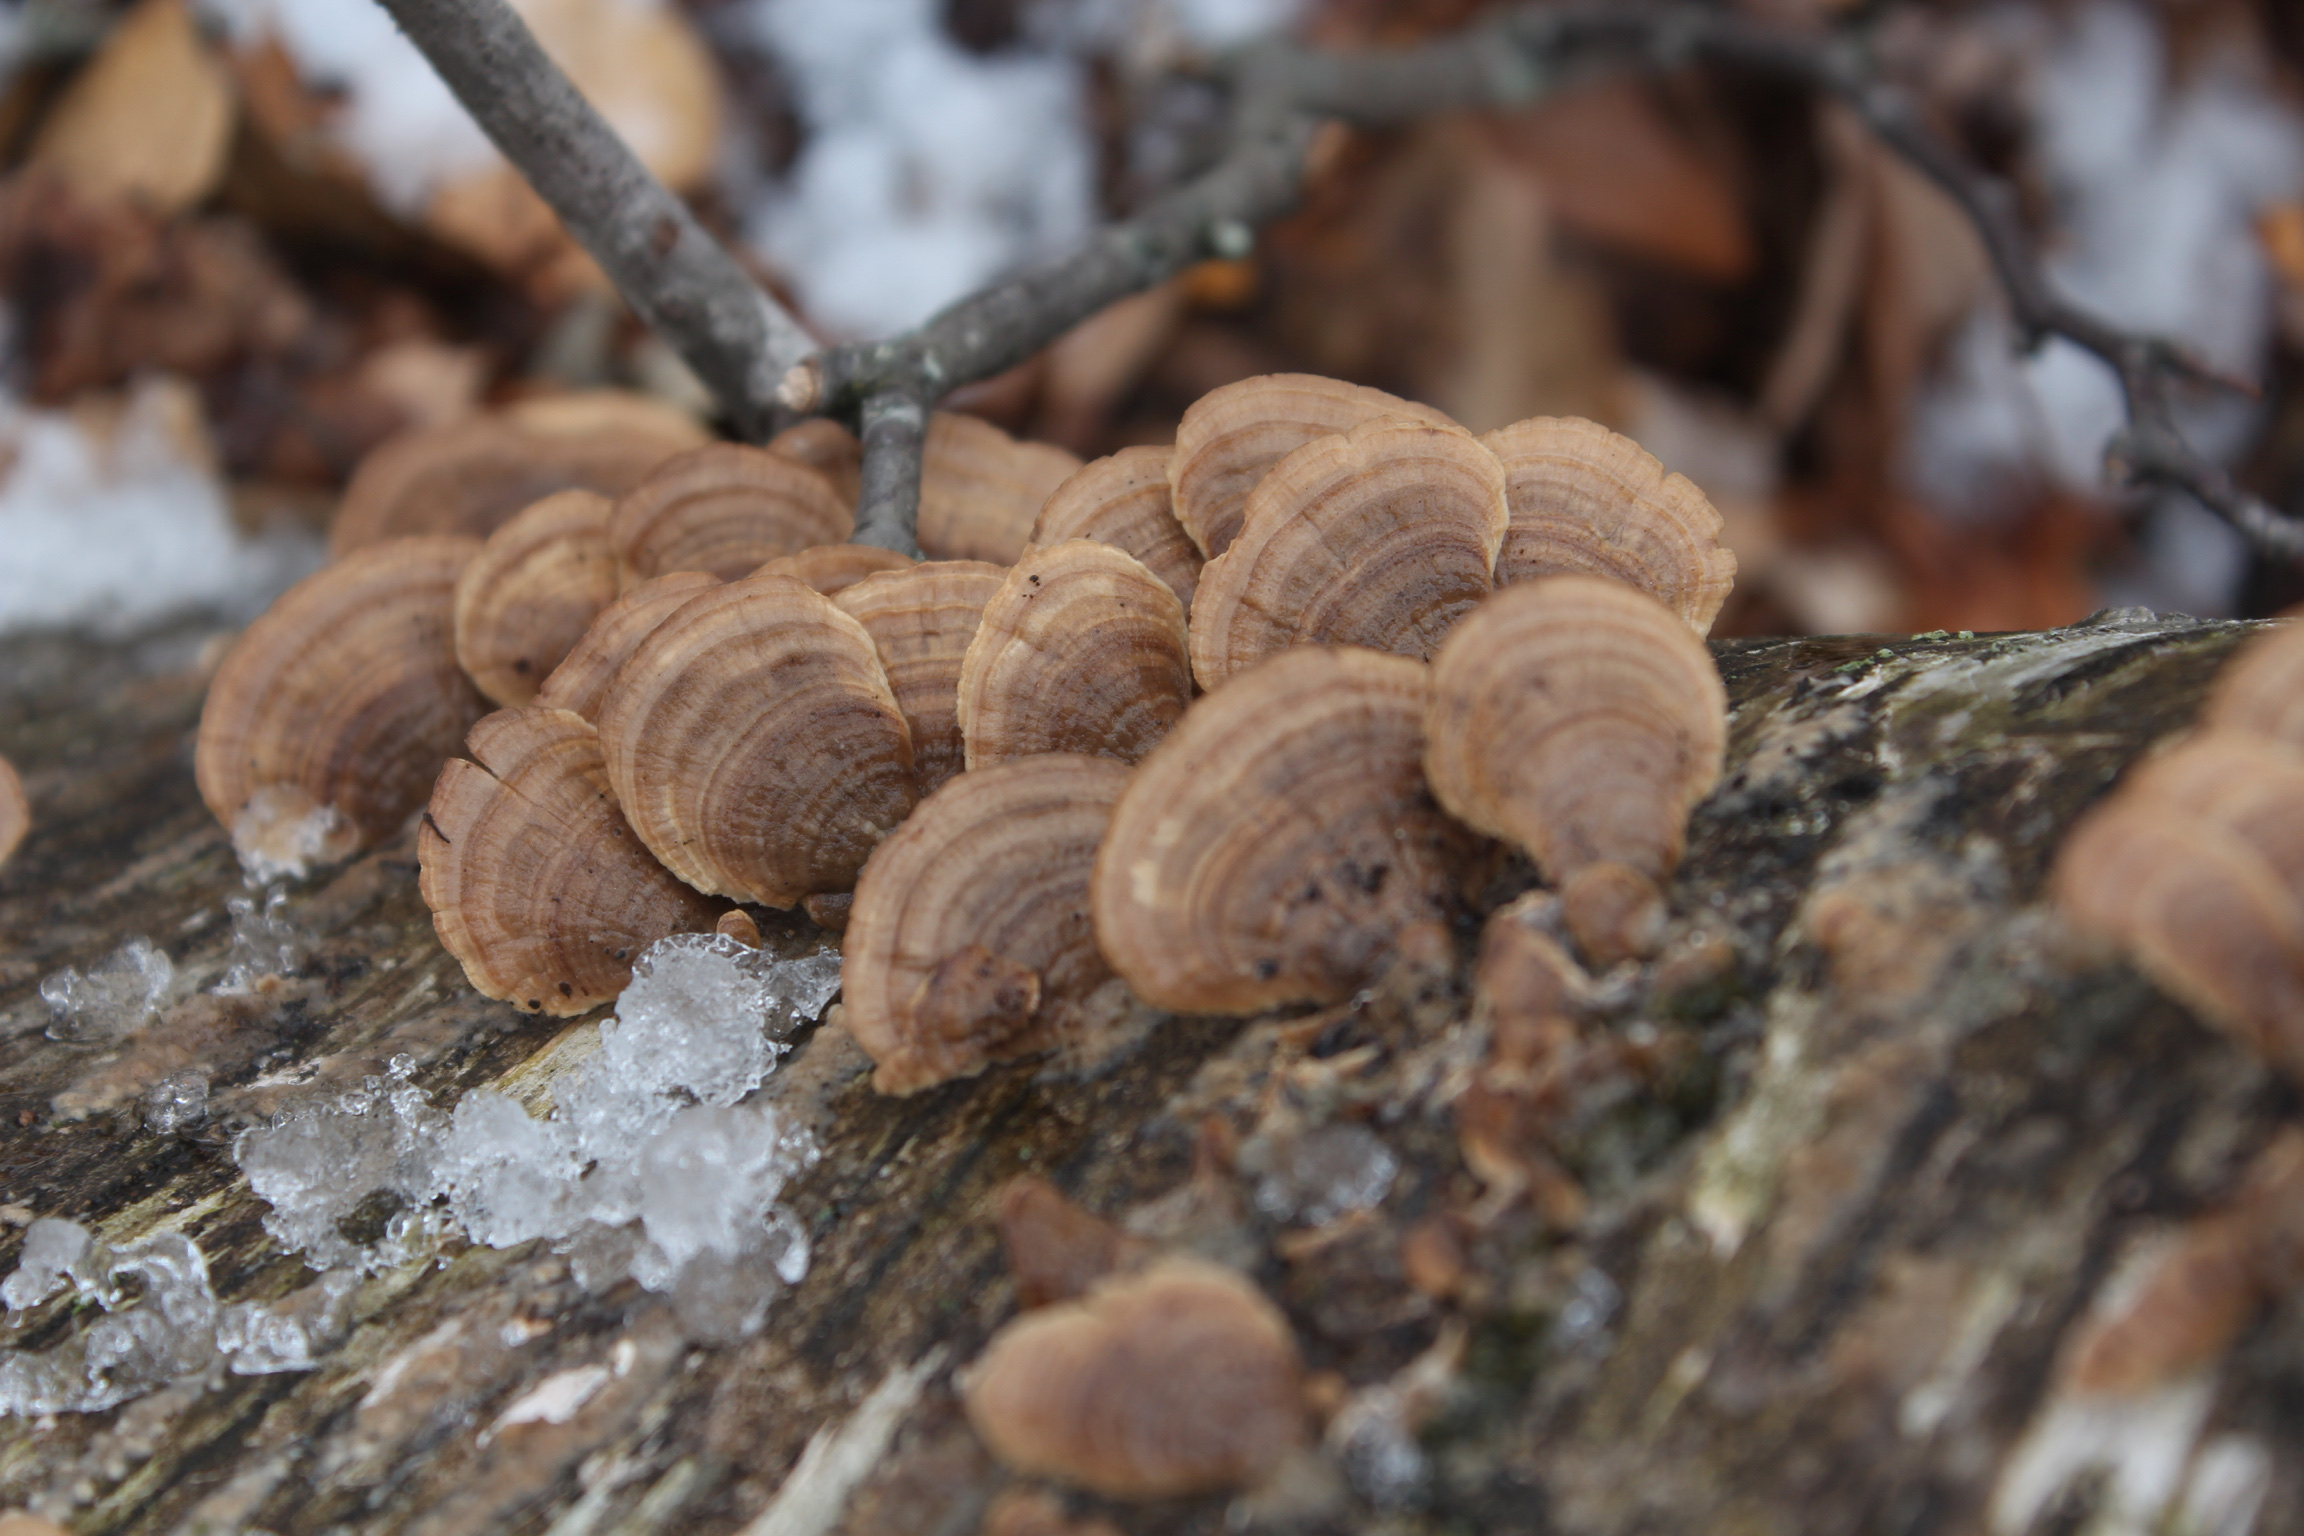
[[1908, 1132]]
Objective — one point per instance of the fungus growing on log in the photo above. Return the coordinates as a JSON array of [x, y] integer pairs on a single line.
[[331, 714], [1382, 537], [15, 811], [1581, 720], [1123, 500], [828, 448], [981, 490], [532, 592], [724, 509], [581, 680], [754, 743], [969, 941], [536, 884], [2261, 691], [1181, 1379], [1277, 846], [1586, 501], [1081, 649], [921, 619], [1233, 436], [833, 568]]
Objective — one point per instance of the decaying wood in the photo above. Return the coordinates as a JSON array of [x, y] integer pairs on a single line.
[[1887, 1158]]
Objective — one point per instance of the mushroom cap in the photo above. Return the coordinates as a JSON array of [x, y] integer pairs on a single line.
[[469, 476], [1176, 1380], [535, 587], [2261, 690], [969, 941], [536, 884], [828, 448], [1123, 500], [1579, 719], [15, 811], [921, 619], [2202, 915], [1586, 501], [1082, 649], [2249, 785], [754, 743], [833, 568], [581, 680], [342, 700], [724, 509], [1382, 537], [981, 489], [1275, 846], [1231, 437]]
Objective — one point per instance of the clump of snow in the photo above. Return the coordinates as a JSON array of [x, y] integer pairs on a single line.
[[281, 833], [116, 996], [178, 1102], [1321, 1175], [264, 942], [119, 525], [320, 1164]]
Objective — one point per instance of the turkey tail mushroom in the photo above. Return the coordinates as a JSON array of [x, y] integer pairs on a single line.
[[1581, 720], [969, 941], [1123, 500], [981, 490], [833, 568], [536, 884], [535, 587], [2261, 691], [581, 680], [724, 509], [828, 448], [921, 620]]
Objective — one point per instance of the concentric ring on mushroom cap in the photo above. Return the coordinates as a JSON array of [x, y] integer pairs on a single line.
[[1275, 846], [1081, 649], [581, 680], [1233, 436], [536, 883], [921, 619], [755, 745], [724, 509], [828, 448], [1579, 719], [981, 490], [969, 941], [1382, 537], [532, 592], [833, 568], [1586, 501], [1123, 500], [2261, 690], [342, 700]]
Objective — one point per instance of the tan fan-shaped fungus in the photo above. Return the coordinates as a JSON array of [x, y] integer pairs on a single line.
[[1586, 501], [1382, 537], [536, 884], [470, 476], [1123, 500], [1278, 844], [15, 811], [535, 587], [1232, 437], [1081, 650], [1176, 1380], [921, 620], [2252, 786], [981, 490], [2261, 690], [724, 509], [754, 743], [833, 568], [581, 681], [969, 941], [828, 448], [1581, 720], [331, 714]]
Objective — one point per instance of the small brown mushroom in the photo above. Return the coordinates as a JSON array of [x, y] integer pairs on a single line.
[[1231, 437], [1056, 1248], [921, 619], [724, 509], [981, 490], [1586, 501], [1278, 844], [969, 942], [2250, 785], [15, 811], [1123, 500], [754, 743], [2261, 690], [833, 568], [828, 448], [1382, 536], [536, 884], [1082, 649], [331, 714], [1581, 720], [581, 680], [469, 476], [1182, 1379], [532, 591]]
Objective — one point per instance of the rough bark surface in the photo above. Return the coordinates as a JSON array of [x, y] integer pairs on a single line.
[[1829, 1261]]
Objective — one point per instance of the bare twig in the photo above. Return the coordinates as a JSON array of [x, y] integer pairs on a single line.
[[674, 274]]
